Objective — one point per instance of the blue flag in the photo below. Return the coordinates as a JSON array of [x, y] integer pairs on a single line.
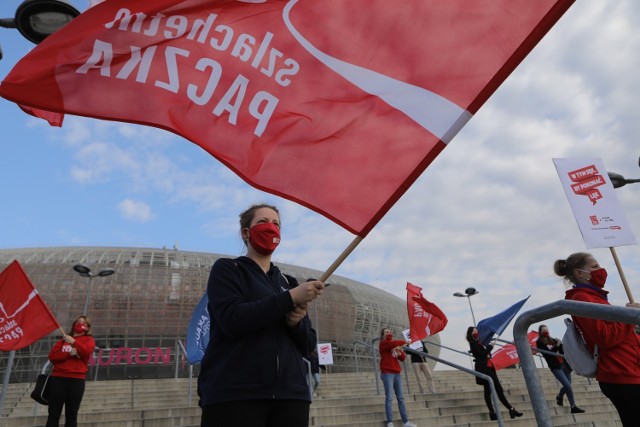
[[198, 331], [497, 324]]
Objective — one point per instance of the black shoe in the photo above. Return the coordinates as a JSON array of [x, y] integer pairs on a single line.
[[576, 410], [493, 416], [513, 413], [559, 400]]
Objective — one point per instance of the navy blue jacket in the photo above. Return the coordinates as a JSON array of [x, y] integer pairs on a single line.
[[252, 353]]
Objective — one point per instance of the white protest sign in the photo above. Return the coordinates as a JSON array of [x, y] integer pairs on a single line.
[[416, 345], [325, 354], [594, 203]]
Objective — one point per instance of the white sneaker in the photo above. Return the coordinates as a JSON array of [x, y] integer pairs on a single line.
[[390, 425], [409, 424]]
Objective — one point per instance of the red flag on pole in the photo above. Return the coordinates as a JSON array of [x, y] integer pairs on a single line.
[[508, 355], [336, 105], [24, 316], [425, 318]]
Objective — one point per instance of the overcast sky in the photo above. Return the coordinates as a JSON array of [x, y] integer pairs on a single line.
[[489, 212]]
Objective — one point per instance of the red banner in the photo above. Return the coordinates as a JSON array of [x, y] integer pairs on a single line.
[[336, 105], [24, 316], [508, 355], [425, 318]]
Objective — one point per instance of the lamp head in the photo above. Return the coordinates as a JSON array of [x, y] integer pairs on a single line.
[[82, 270], [458, 294], [106, 272], [471, 291], [37, 19]]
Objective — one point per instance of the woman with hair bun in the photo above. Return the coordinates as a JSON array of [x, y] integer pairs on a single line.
[[618, 371]]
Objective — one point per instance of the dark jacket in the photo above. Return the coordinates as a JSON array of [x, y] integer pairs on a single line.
[[618, 346], [554, 362], [252, 352], [481, 355]]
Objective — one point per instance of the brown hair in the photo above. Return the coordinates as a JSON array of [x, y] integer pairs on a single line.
[[247, 216], [565, 267], [545, 340]]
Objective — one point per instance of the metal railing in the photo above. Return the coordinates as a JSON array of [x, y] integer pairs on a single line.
[[494, 395], [548, 311]]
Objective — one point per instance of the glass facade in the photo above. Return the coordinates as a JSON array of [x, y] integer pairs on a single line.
[[140, 314]]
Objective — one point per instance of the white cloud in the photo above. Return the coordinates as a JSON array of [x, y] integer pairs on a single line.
[[135, 210]]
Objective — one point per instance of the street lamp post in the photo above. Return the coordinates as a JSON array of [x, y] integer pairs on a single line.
[[85, 271], [468, 293], [618, 180]]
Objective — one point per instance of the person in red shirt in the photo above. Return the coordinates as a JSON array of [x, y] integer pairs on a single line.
[[70, 358], [391, 355], [618, 371]]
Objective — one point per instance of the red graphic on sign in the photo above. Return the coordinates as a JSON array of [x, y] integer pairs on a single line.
[[585, 183], [594, 220]]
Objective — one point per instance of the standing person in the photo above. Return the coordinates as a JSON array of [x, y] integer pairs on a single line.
[[419, 364], [484, 365], [618, 371], [252, 372], [391, 355], [70, 358], [558, 366]]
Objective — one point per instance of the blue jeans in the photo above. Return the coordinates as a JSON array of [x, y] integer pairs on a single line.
[[563, 375], [393, 382]]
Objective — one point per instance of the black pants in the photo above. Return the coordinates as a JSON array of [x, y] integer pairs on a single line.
[[257, 413], [625, 398], [499, 391], [65, 392]]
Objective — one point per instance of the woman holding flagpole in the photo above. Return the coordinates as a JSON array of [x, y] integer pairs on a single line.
[[482, 358], [252, 372], [618, 371], [70, 358], [391, 355]]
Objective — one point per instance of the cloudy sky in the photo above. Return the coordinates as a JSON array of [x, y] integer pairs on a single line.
[[489, 213]]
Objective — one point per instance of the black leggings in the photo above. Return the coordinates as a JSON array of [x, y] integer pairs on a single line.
[[257, 413], [625, 398], [499, 391], [65, 392]]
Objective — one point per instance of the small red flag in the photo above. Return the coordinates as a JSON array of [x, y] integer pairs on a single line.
[[508, 354], [425, 318], [24, 316]]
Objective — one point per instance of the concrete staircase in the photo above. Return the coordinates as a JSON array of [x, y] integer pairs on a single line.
[[343, 400]]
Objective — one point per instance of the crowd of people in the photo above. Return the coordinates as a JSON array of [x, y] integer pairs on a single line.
[[257, 310]]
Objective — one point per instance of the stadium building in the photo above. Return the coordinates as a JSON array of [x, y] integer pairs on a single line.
[[140, 313]]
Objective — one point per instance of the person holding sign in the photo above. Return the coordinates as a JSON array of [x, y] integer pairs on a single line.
[[253, 373], [618, 372], [70, 358]]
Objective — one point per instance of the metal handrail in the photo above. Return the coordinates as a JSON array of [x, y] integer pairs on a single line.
[[494, 395], [375, 361], [548, 311]]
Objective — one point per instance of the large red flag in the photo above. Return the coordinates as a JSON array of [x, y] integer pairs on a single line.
[[24, 316], [336, 105], [425, 318], [508, 354]]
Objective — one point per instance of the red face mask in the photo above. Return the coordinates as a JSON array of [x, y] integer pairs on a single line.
[[475, 335], [80, 328], [545, 334], [264, 237], [598, 277]]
